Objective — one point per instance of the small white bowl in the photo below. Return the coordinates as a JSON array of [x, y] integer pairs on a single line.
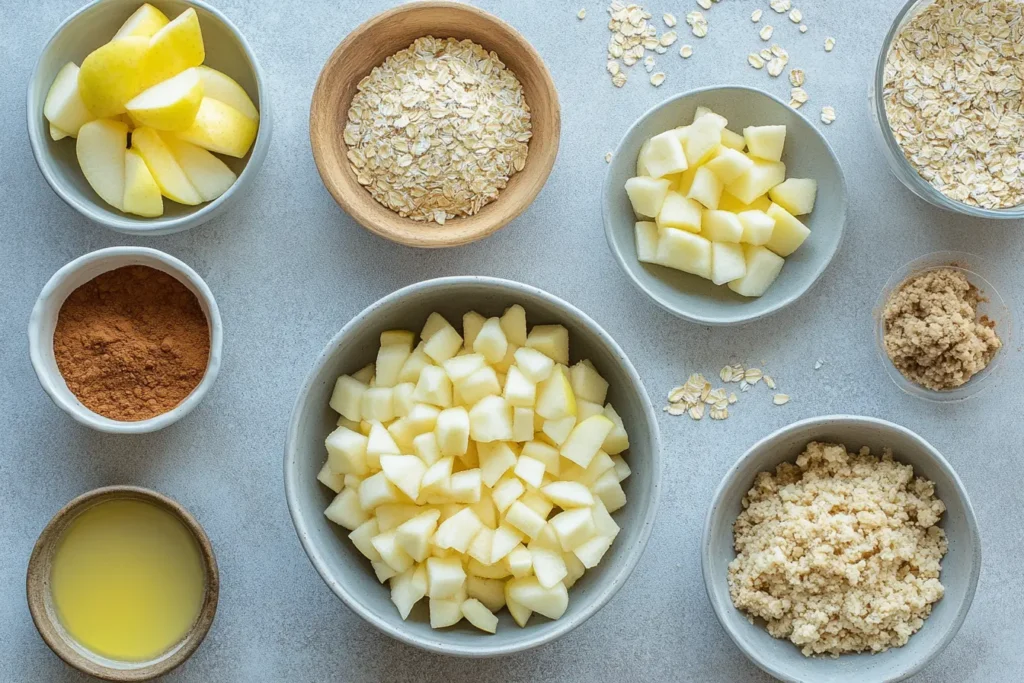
[[807, 155], [43, 321], [980, 274], [93, 25]]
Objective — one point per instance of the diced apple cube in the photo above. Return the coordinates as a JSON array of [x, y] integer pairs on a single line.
[[484, 508], [729, 164], [491, 342], [765, 142], [706, 188], [551, 340], [679, 212], [392, 515], [721, 226], [609, 490], [555, 398], [465, 486], [795, 195], [529, 470], [703, 111], [585, 439], [434, 387], [408, 588], [461, 367], [483, 382], [496, 458], [346, 511], [727, 262], [405, 472], [568, 494], [480, 547], [403, 433], [585, 409], [534, 365], [445, 576], [789, 233], [377, 490], [414, 365], [346, 451], [365, 375], [757, 227], [575, 568], [601, 463], [491, 420], [507, 492], [647, 194], [443, 344], [444, 613], [382, 570], [478, 615], [504, 541], [401, 398], [519, 391], [603, 521], [458, 531], [685, 251], [664, 155], [362, 538], [527, 592], [641, 157], [544, 453], [395, 557], [423, 417], [586, 383], [524, 519], [646, 241], [471, 324], [703, 140], [390, 360], [591, 552], [519, 561], [520, 614], [452, 431], [574, 527], [558, 430], [618, 440], [548, 566], [435, 322], [757, 181], [622, 470], [522, 424], [378, 404], [380, 442], [513, 323], [490, 592], [347, 398], [413, 536], [487, 571], [335, 481], [733, 140]]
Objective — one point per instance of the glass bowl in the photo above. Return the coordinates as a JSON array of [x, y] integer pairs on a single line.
[[898, 163], [993, 306]]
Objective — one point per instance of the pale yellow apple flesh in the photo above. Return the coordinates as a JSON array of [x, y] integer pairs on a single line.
[[100, 150], [144, 22], [173, 182], [221, 128], [174, 48], [209, 175], [169, 105], [141, 193], [112, 74], [222, 87], [64, 108]]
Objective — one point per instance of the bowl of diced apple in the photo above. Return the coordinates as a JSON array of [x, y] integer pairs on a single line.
[[724, 205], [148, 118], [473, 466]]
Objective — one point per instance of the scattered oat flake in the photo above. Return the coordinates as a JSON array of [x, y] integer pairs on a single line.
[[756, 16], [828, 115], [769, 382], [796, 16], [781, 6], [776, 66], [799, 95], [719, 413], [706, 4], [766, 32], [830, 43], [754, 60], [780, 399], [649, 63], [619, 80], [766, 54], [725, 374], [698, 23], [744, 386], [582, 14], [686, 51], [753, 376], [732, 398], [613, 67], [677, 409], [796, 77], [669, 19], [803, 28], [608, 158], [667, 38], [657, 79], [697, 411]]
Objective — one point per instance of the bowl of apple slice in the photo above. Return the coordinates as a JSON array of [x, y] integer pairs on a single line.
[[473, 466], [148, 118], [724, 205]]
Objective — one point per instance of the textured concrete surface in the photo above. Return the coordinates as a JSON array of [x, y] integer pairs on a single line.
[[289, 268]]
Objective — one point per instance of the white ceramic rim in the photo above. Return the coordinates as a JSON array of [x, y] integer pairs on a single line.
[[824, 421], [970, 265], [561, 626], [739, 318], [125, 223], [39, 347]]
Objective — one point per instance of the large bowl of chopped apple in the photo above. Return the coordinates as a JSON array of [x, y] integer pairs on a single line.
[[473, 466]]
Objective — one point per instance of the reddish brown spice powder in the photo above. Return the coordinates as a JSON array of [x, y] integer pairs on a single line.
[[132, 343]]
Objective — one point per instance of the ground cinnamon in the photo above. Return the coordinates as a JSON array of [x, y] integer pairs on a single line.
[[132, 343]]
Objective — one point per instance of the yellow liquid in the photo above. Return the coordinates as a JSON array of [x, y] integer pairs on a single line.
[[127, 580]]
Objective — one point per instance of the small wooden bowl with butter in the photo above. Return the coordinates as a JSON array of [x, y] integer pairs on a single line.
[[381, 37]]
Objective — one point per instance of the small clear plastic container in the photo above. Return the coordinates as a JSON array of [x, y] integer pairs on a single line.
[[992, 306], [898, 163]]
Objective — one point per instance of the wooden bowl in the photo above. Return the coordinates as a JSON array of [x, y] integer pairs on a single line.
[[40, 600], [384, 35]]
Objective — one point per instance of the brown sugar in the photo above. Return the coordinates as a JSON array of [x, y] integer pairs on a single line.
[[932, 332], [132, 343]]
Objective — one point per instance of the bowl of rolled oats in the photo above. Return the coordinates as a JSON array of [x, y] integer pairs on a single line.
[[945, 97], [843, 549], [434, 124]]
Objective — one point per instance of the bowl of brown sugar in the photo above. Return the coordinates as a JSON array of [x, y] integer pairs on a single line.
[[126, 340]]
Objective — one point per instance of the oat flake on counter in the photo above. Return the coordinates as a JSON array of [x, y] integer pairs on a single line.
[[436, 131]]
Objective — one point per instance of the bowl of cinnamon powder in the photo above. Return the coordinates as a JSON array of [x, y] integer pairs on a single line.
[[126, 339]]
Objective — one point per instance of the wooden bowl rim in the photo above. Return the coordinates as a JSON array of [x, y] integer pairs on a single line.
[[428, 235], [38, 586]]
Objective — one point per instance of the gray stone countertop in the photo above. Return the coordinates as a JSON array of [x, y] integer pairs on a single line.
[[289, 268]]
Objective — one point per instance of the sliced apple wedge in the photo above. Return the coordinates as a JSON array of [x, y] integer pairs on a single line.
[[209, 175], [144, 22], [58, 134], [174, 48], [112, 74], [141, 193], [221, 128], [64, 108], [222, 87], [173, 182], [169, 105], [100, 151]]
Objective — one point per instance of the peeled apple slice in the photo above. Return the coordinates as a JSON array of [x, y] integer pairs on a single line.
[[141, 193], [112, 74], [757, 227], [788, 234], [64, 108], [144, 22], [727, 262], [100, 150], [763, 267], [222, 87], [220, 128], [647, 241], [170, 105], [209, 175], [765, 142], [763, 176], [685, 251], [664, 155], [174, 48], [647, 194], [173, 182], [680, 212], [795, 195]]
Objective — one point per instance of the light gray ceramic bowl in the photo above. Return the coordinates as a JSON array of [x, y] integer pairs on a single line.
[[349, 574], [92, 26], [807, 155], [960, 566]]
